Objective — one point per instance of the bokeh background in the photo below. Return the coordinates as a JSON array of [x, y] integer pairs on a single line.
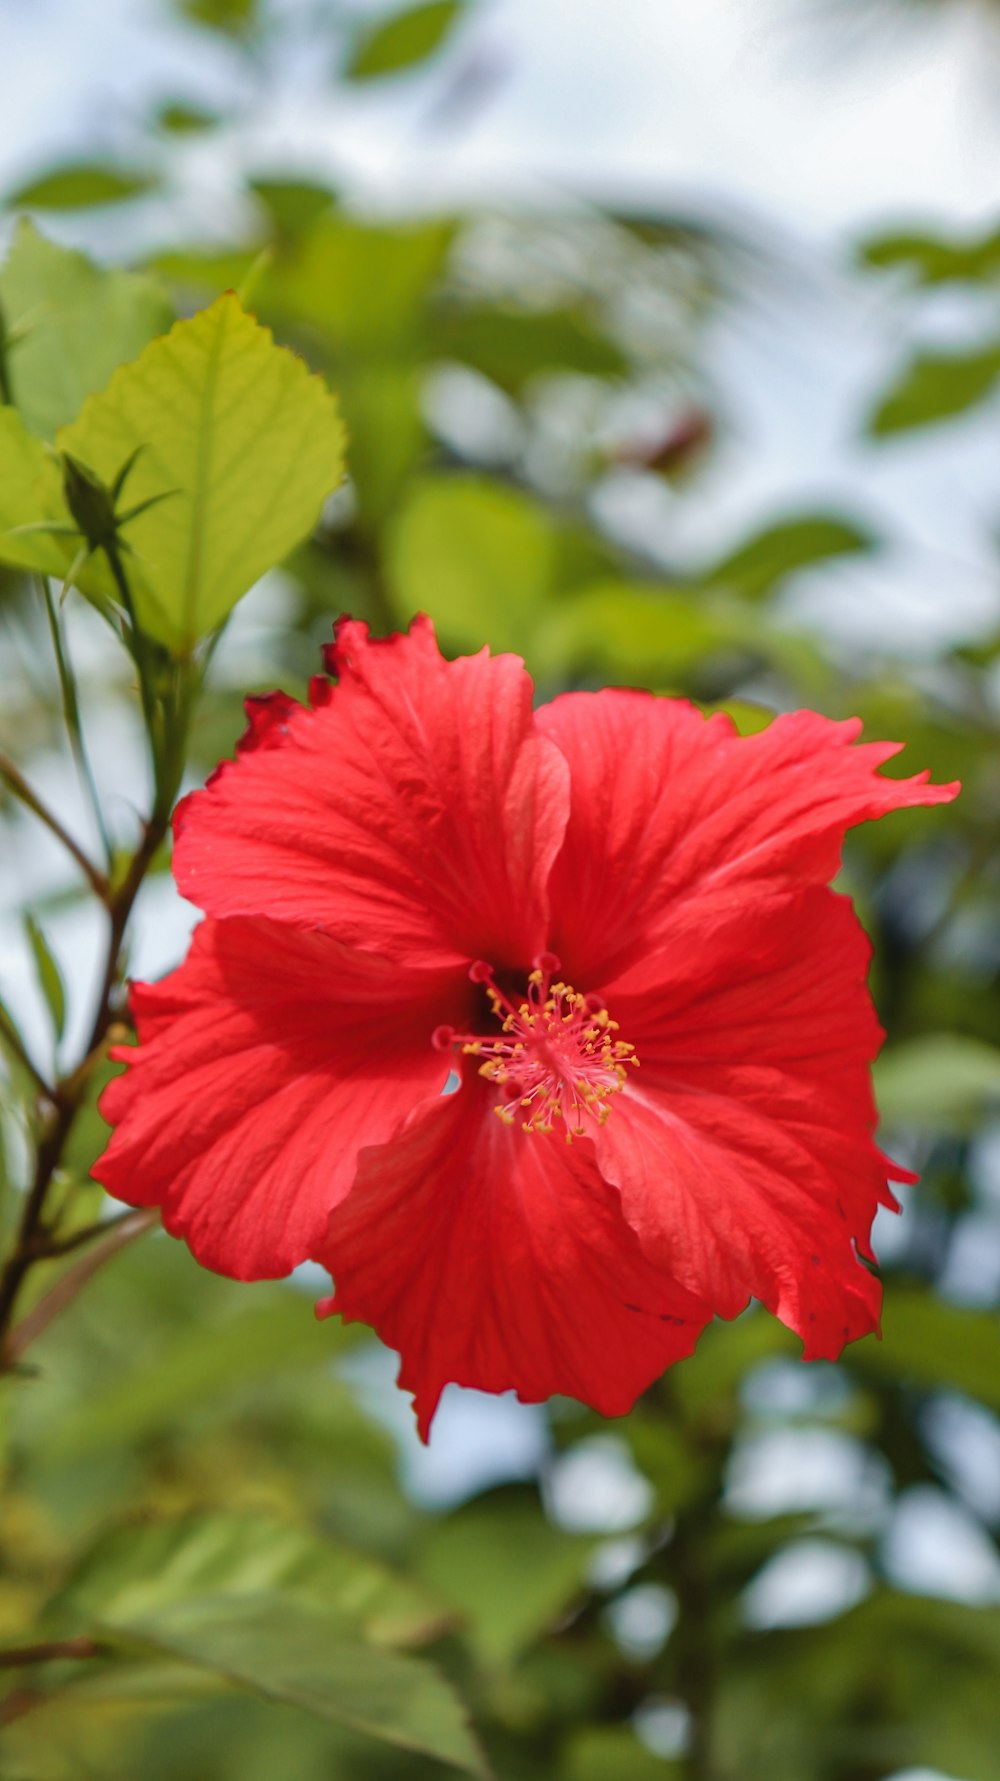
[[667, 334]]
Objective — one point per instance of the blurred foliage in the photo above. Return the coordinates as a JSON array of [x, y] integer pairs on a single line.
[[79, 186], [403, 39], [201, 1521], [933, 385]]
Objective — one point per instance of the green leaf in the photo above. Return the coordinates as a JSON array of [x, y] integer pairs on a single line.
[[136, 1571], [294, 204], [936, 387], [187, 120], [758, 566], [299, 1654], [79, 185], [49, 975], [932, 260], [507, 1570], [403, 39], [477, 557], [934, 1345], [243, 441], [234, 17], [940, 1082], [71, 324]]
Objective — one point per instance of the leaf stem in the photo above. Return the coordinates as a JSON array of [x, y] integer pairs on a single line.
[[118, 1232], [18, 785], [13, 1041]]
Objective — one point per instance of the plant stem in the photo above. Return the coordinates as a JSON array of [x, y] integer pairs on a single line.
[[16, 783], [56, 1650], [68, 1092], [695, 1656], [71, 713], [146, 694], [118, 1233]]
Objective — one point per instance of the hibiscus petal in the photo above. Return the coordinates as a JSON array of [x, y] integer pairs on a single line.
[[743, 1143], [668, 808], [264, 1064], [414, 812], [499, 1259]]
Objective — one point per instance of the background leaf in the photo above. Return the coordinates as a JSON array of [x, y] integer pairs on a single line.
[[80, 184], [941, 1081], [934, 259], [71, 324], [937, 1345], [136, 1571], [759, 565], [936, 387], [479, 559], [403, 39], [507, 1572], [302, 1656], [49, 976]]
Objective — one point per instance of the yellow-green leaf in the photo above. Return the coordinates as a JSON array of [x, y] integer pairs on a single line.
[[244, 446]]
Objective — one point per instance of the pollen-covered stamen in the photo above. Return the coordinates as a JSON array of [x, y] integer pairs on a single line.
[[556, 1056]]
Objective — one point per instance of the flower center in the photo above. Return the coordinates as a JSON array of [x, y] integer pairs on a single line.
[[556, 1055]]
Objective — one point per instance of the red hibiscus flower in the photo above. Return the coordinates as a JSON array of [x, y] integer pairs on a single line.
[[609, 920]]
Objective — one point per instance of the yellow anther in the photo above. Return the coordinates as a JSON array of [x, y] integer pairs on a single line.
[[556, 1052]]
